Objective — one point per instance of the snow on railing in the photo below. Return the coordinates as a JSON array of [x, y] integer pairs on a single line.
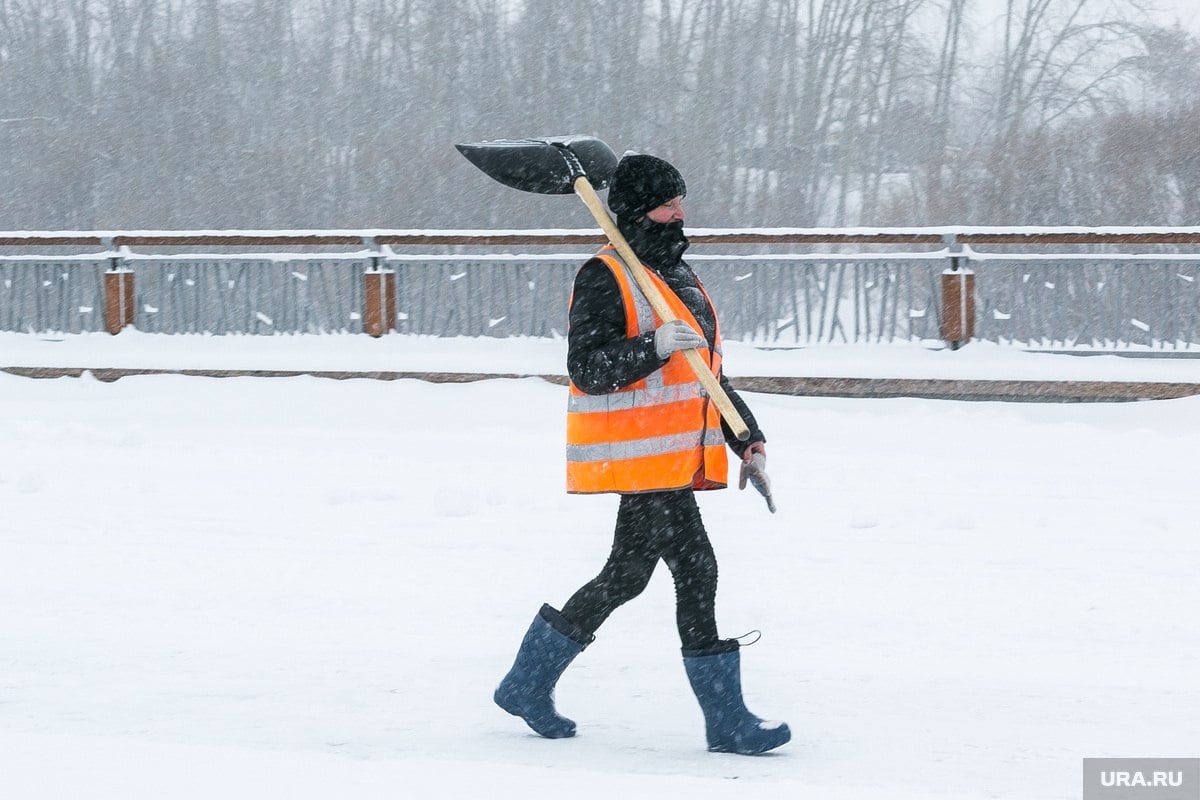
[[965, 235]]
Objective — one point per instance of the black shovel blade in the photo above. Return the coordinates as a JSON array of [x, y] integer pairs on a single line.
[[544, 166]]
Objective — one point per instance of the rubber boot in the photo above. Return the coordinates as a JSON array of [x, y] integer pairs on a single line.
[[527, 691], [716, 678]]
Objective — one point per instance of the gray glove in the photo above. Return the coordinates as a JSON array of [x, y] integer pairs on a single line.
[[754, 469], [676, 335]]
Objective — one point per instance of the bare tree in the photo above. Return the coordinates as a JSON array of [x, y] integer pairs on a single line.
[[1055, 63], [343, 113]]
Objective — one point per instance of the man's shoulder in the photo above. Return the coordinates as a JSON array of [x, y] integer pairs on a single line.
[[595, 279], [595, 269]]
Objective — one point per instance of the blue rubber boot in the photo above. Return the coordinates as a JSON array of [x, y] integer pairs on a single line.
[[716, 678], [527, 691]]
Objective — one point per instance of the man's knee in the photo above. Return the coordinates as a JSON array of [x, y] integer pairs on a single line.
[[630, 582]]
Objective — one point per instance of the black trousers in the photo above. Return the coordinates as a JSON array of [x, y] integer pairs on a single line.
[[653, 526]]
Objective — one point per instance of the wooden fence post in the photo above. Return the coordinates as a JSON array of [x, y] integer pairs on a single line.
[[379, 300], [958, 304], [120, 302]]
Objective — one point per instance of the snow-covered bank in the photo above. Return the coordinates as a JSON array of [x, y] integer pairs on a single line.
[[297, 587], [530, 356]]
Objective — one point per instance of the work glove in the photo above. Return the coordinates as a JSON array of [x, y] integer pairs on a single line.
[[754, 469], [676, 335]]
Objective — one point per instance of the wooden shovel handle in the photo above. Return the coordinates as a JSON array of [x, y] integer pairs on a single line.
[[583, 188]]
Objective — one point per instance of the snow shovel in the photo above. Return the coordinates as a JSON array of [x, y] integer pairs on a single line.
[[580, 165]]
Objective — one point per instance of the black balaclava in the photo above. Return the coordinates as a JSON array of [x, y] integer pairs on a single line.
[[658, 244]]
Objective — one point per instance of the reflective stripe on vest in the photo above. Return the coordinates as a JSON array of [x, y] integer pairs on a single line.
[[643, 311], [636, 398], [659, 433], [638, 448]]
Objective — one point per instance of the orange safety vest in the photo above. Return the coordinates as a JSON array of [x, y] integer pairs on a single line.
[[661, 432]]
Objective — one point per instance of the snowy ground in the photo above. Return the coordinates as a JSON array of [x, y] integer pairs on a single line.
[[305, 588]]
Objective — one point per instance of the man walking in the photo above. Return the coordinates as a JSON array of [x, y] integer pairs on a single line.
[[640, 425]]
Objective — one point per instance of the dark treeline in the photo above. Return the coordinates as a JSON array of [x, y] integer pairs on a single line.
[[343, 113]]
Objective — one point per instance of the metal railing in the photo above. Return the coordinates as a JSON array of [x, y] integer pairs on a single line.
[[1034, 286]]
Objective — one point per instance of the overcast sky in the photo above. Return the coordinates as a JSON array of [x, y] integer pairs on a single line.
[[1186, 12]]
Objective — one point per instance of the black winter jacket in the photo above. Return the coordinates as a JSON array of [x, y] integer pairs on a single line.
[[600, 359]]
